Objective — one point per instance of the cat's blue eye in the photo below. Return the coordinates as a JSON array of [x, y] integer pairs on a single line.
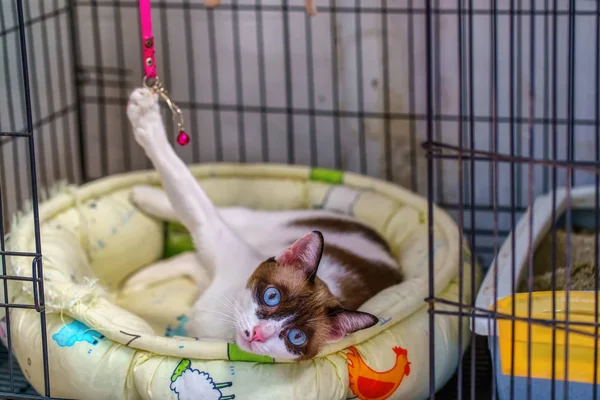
[[272, 297], [296, 337]]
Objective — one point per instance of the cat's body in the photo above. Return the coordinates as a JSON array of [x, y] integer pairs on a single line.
[[282, 306], [349, 244]]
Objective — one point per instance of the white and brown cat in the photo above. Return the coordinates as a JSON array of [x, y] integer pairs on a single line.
[[282, 283]]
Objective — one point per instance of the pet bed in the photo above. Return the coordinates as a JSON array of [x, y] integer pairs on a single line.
[[106, 344]]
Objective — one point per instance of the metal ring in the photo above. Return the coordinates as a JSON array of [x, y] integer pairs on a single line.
[[149, 83]]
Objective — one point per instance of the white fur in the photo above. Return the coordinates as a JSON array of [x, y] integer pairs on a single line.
[[185, 264], [274, 346], [153, 201], [331, 272], [230, 242]]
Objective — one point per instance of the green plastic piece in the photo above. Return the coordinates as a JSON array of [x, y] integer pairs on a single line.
[[182, 366], [327, 175], [177, 240], [236, 354], [422, 218]]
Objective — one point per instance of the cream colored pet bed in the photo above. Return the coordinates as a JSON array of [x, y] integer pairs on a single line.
[[104, 344]]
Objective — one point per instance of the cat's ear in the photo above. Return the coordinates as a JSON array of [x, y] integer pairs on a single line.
[[344, 322], [305, 253]]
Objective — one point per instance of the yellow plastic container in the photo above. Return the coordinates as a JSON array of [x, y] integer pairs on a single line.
[[581, 345]]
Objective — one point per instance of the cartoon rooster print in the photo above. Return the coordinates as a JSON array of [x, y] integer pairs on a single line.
[[368, 384]]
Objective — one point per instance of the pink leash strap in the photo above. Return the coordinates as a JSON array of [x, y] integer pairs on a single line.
[[151, 80], [147, 40]]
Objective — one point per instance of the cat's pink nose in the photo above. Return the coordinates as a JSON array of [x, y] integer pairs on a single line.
[[259, 334]]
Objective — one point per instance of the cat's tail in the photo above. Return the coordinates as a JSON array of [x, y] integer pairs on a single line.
[[154, 202]]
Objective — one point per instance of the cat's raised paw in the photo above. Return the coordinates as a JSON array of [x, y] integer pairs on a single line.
[[142, 104], [144, 114]]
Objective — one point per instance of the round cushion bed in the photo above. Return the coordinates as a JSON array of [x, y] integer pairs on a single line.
[[107, 344]]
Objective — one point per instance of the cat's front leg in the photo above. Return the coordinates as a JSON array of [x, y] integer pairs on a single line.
[[191, 204], [184, 264], [154, 202]]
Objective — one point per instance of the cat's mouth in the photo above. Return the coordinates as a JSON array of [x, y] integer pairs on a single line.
[[241, 340], [251, 346], [247, 345]]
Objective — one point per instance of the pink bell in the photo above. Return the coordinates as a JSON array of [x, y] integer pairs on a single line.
[[183, 138]]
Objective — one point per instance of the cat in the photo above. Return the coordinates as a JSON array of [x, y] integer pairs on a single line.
[[281, 283]]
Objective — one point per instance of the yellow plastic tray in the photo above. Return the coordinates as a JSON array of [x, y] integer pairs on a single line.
[[581, 346]]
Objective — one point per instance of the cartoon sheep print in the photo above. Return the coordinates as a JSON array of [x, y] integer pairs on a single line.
[[192, 384]]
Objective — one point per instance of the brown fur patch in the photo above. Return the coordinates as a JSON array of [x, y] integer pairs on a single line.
[[366, 278], [339, 225], [308, 302]]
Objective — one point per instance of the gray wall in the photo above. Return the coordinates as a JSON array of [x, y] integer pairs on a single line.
[[51, 80], [110, 61]]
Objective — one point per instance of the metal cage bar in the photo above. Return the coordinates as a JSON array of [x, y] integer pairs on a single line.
[[37, 278]]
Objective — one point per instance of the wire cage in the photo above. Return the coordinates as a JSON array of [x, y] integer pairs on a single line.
[[481, 106]]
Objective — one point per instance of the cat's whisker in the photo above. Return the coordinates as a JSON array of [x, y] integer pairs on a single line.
[[230, 317], [238, 308], [226, 322], [233, 304], [222, 318], [226, 306], [236, 312]]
